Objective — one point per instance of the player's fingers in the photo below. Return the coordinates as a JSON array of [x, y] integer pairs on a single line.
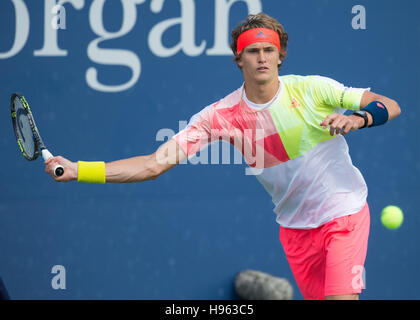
[[339, 120], [70, 169], [349, 125], [50, 166], [328, 120], [54, 161], [62, 161], [339, 125], [332, 131], [335, 129], [347, 128], [58, 159]]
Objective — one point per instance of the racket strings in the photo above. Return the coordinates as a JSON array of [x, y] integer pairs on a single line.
[[24, 130]]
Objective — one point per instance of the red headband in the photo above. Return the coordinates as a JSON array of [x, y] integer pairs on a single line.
[[257, 35]]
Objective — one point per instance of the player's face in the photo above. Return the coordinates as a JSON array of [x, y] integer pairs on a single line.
[[259, 62]]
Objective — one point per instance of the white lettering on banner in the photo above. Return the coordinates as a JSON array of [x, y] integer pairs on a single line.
[[221, 25], [54, 12], [21, 29], [112, 56], [187, 22], [50, 47]]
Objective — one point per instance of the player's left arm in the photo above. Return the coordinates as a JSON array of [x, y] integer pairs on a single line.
[[391, 105], [342, 124]]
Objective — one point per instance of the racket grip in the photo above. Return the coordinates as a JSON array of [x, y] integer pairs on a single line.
[[58, 170], [46, 154]]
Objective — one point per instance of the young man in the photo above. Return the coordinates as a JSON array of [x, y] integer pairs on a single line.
[[296, 140]]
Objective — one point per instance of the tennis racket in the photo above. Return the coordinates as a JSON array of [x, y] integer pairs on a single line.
[[27, 134]]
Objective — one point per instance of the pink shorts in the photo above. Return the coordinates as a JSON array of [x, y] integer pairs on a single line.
[[329, 260]]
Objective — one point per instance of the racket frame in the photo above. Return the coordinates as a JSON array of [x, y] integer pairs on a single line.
[[39, 147], [36, 137]]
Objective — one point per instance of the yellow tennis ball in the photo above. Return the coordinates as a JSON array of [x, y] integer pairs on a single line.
[[392, 217]]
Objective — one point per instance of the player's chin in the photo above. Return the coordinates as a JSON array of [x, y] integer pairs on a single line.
[[264, 78]]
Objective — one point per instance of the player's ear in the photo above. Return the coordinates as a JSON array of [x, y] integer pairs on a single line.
[[239, 62]]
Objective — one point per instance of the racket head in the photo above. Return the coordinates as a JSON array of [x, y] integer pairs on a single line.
[[23, 127]]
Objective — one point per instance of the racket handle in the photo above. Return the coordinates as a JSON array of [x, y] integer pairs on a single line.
[[58, 170]]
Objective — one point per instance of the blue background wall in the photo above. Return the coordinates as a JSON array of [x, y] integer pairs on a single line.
[[187, 234]]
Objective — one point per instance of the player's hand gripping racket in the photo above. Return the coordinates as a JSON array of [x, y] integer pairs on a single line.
[[27, 134]]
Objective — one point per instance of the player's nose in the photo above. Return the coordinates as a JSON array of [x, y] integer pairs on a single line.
[[261, 56]]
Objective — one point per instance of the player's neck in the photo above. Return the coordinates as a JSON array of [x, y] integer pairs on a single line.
[[261, 93]]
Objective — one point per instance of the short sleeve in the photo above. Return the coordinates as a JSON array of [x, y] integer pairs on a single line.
[[197, 134], [329, 92]]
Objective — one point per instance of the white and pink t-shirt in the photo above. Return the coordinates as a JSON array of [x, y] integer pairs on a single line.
[[308, 173]]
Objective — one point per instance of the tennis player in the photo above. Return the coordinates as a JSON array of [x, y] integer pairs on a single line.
[[293, 128]]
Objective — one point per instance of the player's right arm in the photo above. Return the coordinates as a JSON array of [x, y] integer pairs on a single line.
[[147, 167], [135, 169], [141, 168]]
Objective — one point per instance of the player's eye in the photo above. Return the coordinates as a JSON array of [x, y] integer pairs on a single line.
[[253, 50]]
